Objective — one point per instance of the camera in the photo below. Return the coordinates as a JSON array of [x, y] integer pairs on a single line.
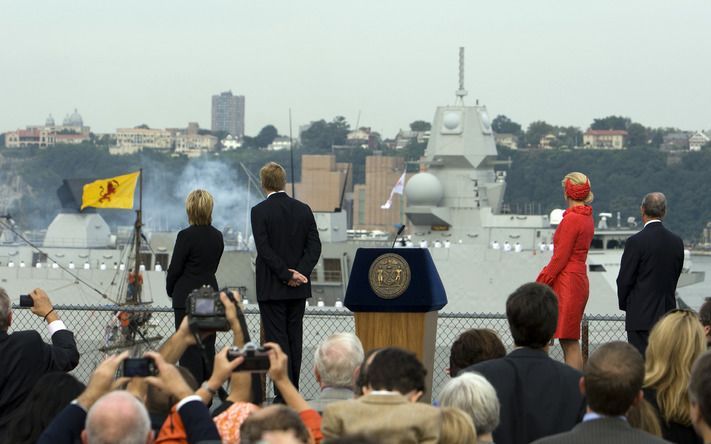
[[206, 311], [139, 367], [26, 301], [256, 359]]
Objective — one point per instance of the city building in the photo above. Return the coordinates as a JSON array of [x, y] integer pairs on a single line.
[[230, 143], [228, 114], [280, 143], [507, 139], [381, 175], [72, 131], [404, 137], [676, 141], [323, 181], [363, 137], [698, 140], [548, 141], [604, 139], [132, 140], [190, 142]]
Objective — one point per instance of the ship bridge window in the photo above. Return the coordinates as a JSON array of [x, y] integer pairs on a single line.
[[596, 244], [615, 244], [146, 259], [314, 274], [596, 267], [332, 270]]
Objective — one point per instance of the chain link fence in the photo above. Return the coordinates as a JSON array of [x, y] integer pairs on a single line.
[[93, 326]]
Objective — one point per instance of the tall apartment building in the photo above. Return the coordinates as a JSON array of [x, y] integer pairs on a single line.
[[381, 175], [228, 113]]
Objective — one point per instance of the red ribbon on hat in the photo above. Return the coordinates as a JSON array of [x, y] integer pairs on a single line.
[[577, 192]]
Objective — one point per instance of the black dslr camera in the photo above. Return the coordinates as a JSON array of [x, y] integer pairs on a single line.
[[206, 311], [256, 359]]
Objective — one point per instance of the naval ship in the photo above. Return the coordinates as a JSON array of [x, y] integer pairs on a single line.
[[454, 208]]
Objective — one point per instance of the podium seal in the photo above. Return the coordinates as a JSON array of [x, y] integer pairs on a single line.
[[389, 276]]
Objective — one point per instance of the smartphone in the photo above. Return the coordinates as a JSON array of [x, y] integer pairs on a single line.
[[26, 301], [141, 367]]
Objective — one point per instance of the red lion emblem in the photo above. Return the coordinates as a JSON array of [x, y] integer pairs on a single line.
[[111, 188]]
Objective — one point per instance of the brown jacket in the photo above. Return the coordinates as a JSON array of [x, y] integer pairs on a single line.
[[390, 417]]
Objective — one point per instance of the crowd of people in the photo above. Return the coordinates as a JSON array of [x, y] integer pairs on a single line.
[[654, 388]]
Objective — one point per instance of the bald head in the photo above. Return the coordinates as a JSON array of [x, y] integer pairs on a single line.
[[654, 205], [117, 418]]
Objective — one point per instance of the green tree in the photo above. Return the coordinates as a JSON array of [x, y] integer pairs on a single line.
[[637, 135], [266, 136], [611, 123], [142, 126], [322, 135], [536, 130], [420, 125], [503, 125]]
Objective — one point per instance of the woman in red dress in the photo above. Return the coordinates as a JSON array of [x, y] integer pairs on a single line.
[[566, 273]]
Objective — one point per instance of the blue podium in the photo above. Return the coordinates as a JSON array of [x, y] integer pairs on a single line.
[[395, 294]]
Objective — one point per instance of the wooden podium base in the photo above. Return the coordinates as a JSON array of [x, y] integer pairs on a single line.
[[415, 332]]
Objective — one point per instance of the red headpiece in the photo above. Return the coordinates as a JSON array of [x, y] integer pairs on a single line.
[[577, 192]]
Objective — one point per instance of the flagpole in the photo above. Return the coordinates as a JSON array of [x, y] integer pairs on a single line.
[[137, 229]]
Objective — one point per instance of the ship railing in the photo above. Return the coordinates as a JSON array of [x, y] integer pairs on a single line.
[[93, 324]]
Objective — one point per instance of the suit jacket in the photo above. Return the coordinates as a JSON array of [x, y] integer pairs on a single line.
[[390, 417], [196, 255], [649, 271], [539, 396], [329, 395], [286, 236], [25, 357], [67, 426], [607, 430]]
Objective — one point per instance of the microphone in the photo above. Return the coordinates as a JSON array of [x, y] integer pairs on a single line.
[[399, 232]]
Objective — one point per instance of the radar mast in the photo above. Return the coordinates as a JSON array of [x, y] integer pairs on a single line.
[[461, 92]]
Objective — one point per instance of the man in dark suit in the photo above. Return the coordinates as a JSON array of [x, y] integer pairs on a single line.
[[612, 381], [24, 357], [539, 396], [649, 271], [288, 248]]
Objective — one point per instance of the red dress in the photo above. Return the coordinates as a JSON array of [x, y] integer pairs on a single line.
[[566, 273]]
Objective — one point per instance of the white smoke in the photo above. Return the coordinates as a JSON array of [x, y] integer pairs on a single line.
[[164, 196]]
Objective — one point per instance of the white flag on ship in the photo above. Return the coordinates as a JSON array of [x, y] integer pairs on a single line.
[[397, 189]]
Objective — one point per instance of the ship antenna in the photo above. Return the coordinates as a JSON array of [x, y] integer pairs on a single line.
[[461, 92]]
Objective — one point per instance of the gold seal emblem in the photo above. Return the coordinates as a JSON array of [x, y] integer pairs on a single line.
[[389, 275]]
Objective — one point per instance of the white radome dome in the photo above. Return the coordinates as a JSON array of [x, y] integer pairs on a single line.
[[424, 189], [556, 216]]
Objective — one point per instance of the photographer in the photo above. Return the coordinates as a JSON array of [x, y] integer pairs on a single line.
[[26, 357]]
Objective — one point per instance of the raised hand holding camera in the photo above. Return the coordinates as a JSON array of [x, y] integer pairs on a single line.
[[206, 311], [256, 359]]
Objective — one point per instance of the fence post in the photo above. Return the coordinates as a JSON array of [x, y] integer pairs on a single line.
[[585, 338]]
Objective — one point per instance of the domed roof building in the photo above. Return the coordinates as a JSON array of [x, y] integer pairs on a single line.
[[49, 121], [74, 119]]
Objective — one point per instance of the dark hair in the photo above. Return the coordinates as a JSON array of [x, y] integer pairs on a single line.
[[272, 418], [700, 386], [655, 205], [532, 312], [613, 377], [359, 438], [474, 346], [49, 395], [396, 369], [705, 313], [362, 379], [159, 402]]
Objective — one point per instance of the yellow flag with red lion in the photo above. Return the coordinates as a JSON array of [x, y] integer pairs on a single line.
[[114, 192]]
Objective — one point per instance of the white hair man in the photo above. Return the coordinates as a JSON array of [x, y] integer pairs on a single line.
[[26, 357], [336, 363], [118, 417], [472, 393]]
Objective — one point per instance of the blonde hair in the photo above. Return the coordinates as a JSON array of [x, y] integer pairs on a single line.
[[198, 205], [643, 416], [577, 178], [273, 177], [674, 344], [457, 427]]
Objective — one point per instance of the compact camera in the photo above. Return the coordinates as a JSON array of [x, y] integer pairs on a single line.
[[206, 311], [256, 359], [26, 301], [139, 367]]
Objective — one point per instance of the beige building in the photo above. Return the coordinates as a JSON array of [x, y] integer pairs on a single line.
[[71, 132], [135, 139], [381, 175], [507, 139], [322, 181], [604, 139]]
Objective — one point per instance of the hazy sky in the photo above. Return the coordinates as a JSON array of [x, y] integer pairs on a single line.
[[123, 63]]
